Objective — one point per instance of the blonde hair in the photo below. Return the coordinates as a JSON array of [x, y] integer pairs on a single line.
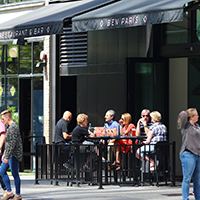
[[191, 112], [127, 117], [7, 113], [156, 116], [81, 118]]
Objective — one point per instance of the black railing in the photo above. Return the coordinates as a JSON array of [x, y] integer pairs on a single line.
[[55, 164]]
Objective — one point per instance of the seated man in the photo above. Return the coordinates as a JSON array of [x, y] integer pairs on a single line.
[[111, 124], [80, 134], [62, 135], [157, 132], [143, 123]]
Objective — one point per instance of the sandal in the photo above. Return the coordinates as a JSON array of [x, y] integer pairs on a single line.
[[118, 168], [17, 197]]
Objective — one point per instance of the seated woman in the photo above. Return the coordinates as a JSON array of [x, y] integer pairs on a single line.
[[126, 129], [80, 133], [157, 132]]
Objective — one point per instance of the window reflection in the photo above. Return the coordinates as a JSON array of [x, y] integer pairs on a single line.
[[177, 32], [12, 97], [1, 59], [2, 94], [37, 48], [25, 59], [38, 107], [12, 59]]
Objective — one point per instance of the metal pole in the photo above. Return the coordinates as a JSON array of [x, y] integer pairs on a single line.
[[100, 167], [36, 164]]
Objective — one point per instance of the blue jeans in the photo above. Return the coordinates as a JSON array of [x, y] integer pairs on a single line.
[[1, 179], [191, 170], [13, 164], [145, 148]]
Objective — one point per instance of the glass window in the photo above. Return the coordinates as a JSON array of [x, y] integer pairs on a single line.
[[38, 108], [25, 59], [12, 96], [2, 94], [198, 24], [147, 86], [177, 32], [37, 48], [12, 59], [193, 82], [2, 55]]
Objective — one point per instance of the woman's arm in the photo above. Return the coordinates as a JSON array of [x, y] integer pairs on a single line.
[[150, 135], [183, 116]]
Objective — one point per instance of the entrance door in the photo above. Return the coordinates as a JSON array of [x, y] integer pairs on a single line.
[[30, 117], [25, 120], [147, 86], [68, 98]]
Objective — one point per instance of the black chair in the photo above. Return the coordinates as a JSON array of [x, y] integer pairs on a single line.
[[162, 167]]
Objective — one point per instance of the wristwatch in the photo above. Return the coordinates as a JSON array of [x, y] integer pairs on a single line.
[[145, 126]]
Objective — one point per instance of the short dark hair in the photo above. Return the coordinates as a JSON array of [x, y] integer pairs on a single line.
[[7, 113]]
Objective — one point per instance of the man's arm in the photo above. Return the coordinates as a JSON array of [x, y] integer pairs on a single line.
[[66, 136], [138, 133]]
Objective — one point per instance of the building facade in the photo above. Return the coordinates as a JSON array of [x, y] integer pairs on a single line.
[[122, 68]]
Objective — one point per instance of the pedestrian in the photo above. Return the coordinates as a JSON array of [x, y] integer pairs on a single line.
[[2, 140], [190, 151], [12, 156]]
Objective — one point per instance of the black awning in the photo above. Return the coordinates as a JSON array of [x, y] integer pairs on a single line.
[[48, 19], [129, 13]]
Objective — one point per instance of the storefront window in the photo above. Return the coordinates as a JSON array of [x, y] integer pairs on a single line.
[[193, 83], [12, 59], [1, 59], [38, 106], [37, 48], [2, 94], [198, 24], [25, 59], [177, 32], [12, 97]]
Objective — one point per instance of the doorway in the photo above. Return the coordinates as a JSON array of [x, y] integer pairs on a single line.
[[147, 82], [25, 120], [68, 98], [30, 117]]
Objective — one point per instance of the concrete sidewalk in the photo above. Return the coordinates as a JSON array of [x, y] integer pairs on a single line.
[[45, 190]]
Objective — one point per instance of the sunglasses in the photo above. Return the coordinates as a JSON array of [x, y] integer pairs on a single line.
[[145, 115]]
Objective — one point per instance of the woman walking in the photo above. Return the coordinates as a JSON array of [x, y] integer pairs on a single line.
[[12, 156], [190, 151]]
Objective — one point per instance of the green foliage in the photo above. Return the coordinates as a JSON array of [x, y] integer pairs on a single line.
[[15, 116]]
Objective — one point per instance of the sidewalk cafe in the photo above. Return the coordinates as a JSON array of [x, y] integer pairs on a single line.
[[50, 159]]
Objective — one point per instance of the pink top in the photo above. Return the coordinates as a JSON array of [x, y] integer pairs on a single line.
[[2, 127]]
